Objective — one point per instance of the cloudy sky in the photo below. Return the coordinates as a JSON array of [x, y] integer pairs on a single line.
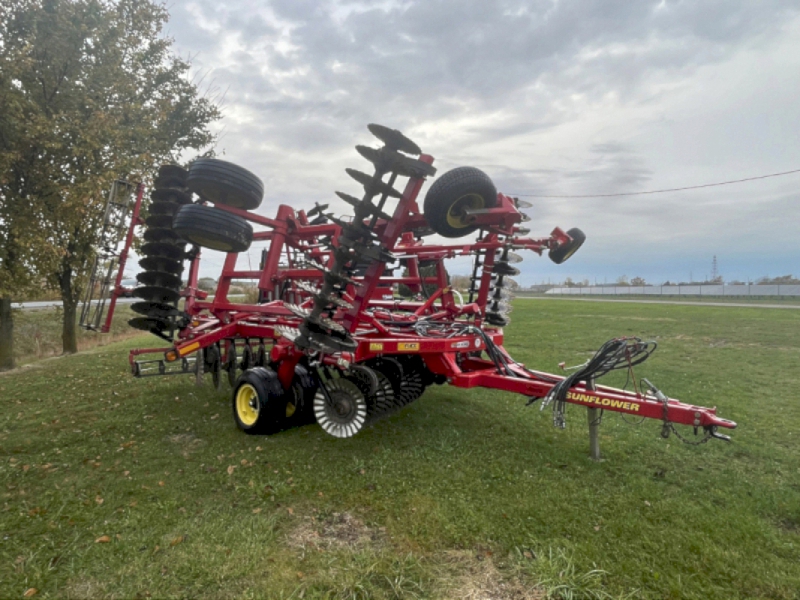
[[548, 97]]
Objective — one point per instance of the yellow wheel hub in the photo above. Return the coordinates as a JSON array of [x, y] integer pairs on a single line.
[[456, 216], [207, 242], [247, 405]]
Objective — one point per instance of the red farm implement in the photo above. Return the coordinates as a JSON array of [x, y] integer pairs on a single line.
[[328, 339]]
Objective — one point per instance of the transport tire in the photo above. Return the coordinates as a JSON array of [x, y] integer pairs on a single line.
[[300, 406], [209, 227], [454, 192], [259, 405], [222, 182], [562, 253]]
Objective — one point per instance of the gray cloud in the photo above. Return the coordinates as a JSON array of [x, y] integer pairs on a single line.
[[547, 96]]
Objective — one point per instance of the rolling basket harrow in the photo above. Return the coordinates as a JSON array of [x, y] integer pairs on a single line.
[[327, 339]]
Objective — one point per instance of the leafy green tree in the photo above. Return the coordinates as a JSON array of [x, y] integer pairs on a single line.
[[428, 289], [90, 91]]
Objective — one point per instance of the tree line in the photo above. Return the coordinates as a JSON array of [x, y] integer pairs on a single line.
[[90, 91]]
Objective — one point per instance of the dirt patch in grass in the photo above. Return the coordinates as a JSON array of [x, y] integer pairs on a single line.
[[84, 588], [336, 531], [187, 443], [481, 580], [789, 525]]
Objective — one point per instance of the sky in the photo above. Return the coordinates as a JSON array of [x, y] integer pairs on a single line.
[[548, 97]]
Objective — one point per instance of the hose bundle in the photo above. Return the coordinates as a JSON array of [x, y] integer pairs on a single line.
[[619, 353]]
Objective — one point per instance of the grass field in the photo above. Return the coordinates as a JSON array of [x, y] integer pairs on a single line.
[[37, 333], [754, 300], [115, 487]]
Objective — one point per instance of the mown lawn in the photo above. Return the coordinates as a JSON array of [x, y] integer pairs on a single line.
[[115, 487]]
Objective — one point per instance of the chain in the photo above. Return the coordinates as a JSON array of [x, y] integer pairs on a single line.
[[669, 426]]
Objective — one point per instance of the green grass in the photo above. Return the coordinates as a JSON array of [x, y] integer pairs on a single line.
[[37, 332], [464, 494], [755, 300]]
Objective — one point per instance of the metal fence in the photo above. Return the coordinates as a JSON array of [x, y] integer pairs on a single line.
[[679, 290]]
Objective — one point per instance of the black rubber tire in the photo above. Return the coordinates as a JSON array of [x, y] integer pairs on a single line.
[[460, 188], [209, 227], [304, 388], [260, 385], [222, 182], [562, 253]]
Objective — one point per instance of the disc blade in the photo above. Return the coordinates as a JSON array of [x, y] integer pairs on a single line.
[[155, 293], [511, 257], [363, 205], [164, 208], [171, 194], [149, 323], [171, 176], [503, 268], [393, 139], [387, 159], [158, 263], [373, 186], [154, 309], [296, 310], [159, 278], [160, 234], [159, 221]]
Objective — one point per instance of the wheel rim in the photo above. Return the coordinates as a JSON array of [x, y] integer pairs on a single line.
[[455, 215], [247, 405], [291, 405], [209, 242], [570, 253]]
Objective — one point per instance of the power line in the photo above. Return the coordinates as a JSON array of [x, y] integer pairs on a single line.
[[679, 189]]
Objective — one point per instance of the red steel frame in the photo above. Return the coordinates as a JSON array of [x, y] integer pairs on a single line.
[[123, 259], [290, 233]]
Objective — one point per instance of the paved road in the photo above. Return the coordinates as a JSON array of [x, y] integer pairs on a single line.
[[55, 303], [685, 303]]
